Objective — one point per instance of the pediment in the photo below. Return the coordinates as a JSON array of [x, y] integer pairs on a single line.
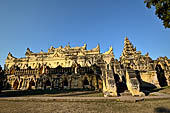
[[57, 54]]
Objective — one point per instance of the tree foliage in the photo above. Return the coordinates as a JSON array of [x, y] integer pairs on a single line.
[[162, 10]]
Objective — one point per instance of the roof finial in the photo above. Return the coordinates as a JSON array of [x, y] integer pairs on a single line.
[[126, 38], [84, 46]]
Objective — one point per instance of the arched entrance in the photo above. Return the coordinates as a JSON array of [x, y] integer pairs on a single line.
[[65, 83], [85, 83], [15, 85], [48, 83], [161, 76], [32, 84]]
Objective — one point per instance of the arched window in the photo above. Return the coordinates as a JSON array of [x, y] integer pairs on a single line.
[[85, 82]]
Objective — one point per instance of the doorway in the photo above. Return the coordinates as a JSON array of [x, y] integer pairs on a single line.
[[65, 83], [85, 83]]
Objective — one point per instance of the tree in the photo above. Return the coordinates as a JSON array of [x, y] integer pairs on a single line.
[[162, 10]]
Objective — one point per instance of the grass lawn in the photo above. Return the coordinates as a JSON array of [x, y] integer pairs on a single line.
[[150, 106], [72, 92], [155, 106], [165, 90]]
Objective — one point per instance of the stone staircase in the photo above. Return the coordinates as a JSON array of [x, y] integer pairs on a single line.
[[109, 85], [132, 83]]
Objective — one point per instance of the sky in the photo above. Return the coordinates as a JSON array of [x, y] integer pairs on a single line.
[[40, 24]]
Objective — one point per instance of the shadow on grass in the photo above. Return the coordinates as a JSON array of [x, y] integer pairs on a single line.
[[161, 110], [148, 90], [53, 92]]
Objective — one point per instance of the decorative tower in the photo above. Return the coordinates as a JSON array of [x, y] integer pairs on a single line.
[[129, 53], [128, 50]]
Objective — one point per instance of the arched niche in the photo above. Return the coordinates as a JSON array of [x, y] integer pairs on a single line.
[[86, 83], [65, 83], [48, 83]]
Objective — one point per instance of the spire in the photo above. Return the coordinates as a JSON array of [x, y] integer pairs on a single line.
[[126, 38], [68, 46], [98, 47], [128, 48]]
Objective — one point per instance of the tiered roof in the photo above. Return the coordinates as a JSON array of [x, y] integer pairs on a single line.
[[128, 48]]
